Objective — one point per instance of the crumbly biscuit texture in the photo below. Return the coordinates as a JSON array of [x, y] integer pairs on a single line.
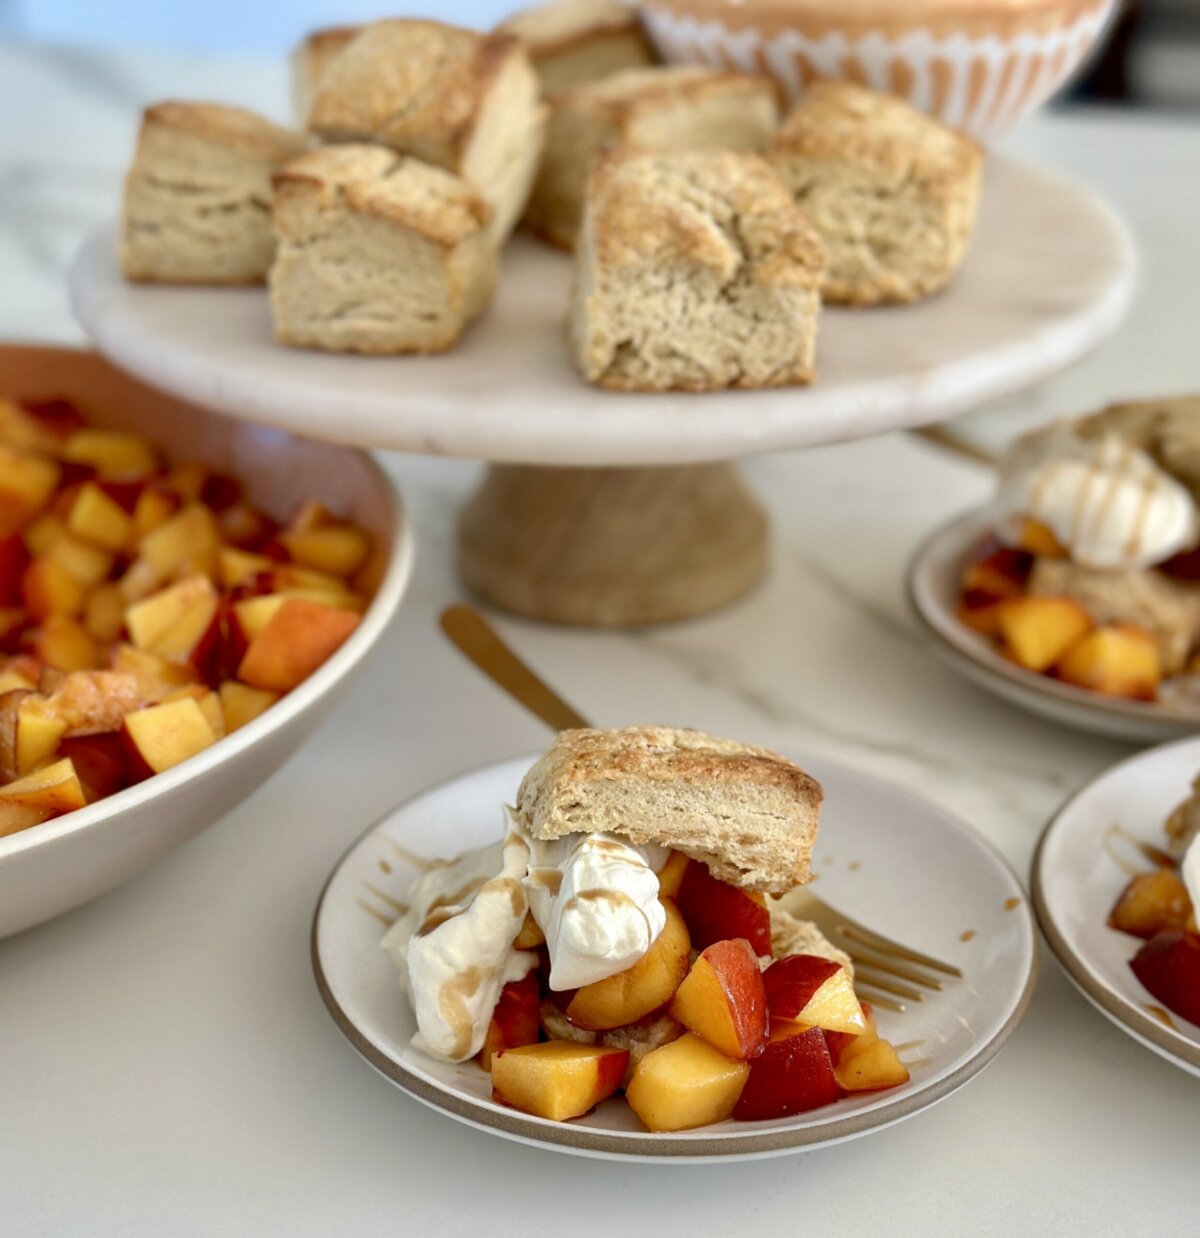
[[310, 60], [892, 192], [671, 108], [378, 253], [1169, 430], [748, 813], [791, 935], [573, 41], [695, 271], [197, 204], [463, 101]]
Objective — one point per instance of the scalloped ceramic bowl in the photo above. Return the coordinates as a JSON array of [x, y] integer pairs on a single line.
[[63, 863], [979, 65]]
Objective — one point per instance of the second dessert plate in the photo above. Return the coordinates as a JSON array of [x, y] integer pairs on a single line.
[[1049, 273], [886, 858], [934, 575], [1084, 860]]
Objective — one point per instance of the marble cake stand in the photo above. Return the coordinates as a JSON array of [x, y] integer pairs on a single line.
[[622, 509]]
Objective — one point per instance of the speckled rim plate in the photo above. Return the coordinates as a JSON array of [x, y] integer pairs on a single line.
[[958, 900], [1076, 880], [932, 580]]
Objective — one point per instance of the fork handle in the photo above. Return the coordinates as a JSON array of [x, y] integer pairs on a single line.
[[475, 637]]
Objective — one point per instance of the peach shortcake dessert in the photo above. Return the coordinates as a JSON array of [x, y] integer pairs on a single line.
[[1092, 573], [1159, 906], [620, 938]]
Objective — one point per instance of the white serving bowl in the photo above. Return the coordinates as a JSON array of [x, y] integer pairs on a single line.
[[53, 867], [979, 65]]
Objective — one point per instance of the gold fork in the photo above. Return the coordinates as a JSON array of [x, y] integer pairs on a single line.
[[886, 972]]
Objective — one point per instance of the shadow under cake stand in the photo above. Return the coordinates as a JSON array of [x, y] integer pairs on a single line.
[[613, 509]]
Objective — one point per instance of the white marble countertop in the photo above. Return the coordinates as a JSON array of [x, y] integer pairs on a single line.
[[168, 1067]]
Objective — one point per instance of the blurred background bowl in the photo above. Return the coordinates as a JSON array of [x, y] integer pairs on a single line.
[[64, 862], [979, 65]]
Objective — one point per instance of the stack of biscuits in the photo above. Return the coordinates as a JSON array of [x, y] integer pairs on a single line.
[[707, 228]]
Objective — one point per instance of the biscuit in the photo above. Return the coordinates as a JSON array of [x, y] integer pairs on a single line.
[[197, 205], [378, 253], [749, 814], [695, 271], [891, 192]]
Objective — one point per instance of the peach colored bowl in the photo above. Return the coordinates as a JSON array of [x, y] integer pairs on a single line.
[[979, 65], [53, 867]]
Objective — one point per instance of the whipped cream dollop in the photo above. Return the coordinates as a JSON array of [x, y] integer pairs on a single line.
[[595, 898], [455, 945], [1107, 502]]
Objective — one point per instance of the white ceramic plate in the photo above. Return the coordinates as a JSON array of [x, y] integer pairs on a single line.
[[1049, 274], [934, 574], [886, 858], [1077, 878]]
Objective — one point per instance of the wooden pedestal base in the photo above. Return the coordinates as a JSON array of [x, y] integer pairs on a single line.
[[612, 547]]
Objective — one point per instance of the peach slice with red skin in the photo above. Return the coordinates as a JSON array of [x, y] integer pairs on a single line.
[[1169, 967], [557, 1079], [632, 994], [842, 1043], [514, 1021], [162, 736], [722, 999], [716, 911], [54, 789], [295, 641], [806, 989], [793, 1074], [685, 1084]]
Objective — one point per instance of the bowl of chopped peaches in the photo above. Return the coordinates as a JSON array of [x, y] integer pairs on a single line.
[[1076, 592], [182, 600]]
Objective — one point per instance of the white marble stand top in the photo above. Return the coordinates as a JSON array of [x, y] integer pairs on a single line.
[[168, 1067]]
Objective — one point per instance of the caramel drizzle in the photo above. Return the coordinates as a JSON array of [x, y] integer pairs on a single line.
[[419, 862], [967, 934], [452, 1004], [375, 913], [401, 909], [1011, 903], [1149, 852]]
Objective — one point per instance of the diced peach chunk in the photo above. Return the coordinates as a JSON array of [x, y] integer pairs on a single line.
[[112, 453], [54, 789], [104, 613], [49, 589], [1152, 903], [722, 999], [162, 736], [27, 482], [793, 1074], [296, 640], [98, 518], [242, 704], [670, 876], [16, 817], [812, 990], [1039, 540], [685, 1084], [632, 994], [716, 911], [1038, 631], [559, 1079], [871, 1068], [64, 643], [186, 542], [514, 1021], [530, 936], [1118, 660]]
